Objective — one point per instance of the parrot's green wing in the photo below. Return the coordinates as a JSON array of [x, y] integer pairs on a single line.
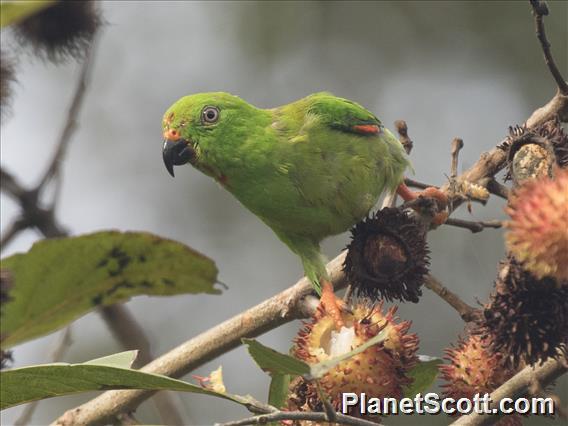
[[342, 114], [340, 159]]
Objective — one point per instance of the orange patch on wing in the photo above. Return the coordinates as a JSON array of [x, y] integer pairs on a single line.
[[367, 129]]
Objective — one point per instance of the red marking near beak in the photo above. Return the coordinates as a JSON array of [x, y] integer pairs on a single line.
[[172, 134], [367, 129]]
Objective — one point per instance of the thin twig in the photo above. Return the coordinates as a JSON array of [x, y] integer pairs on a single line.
[[466, 312], [516, 387], [474, 227], [540, 9], [498, 189], [11, 232], [72, 114], [415, 184], [457, 145], [10, 185], [278, 416]]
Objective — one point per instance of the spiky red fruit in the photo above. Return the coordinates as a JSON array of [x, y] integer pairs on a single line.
[[538, 231], [473, 368], [381, 370]]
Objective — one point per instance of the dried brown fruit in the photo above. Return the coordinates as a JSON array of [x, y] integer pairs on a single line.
[[388, 256]]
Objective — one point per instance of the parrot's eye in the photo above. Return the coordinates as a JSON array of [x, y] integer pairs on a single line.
[[209, 114]]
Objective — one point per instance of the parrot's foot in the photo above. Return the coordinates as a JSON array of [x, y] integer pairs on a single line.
[[431, 192], [332, 305]]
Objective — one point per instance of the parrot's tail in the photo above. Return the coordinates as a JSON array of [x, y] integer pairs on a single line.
[[312, 259]]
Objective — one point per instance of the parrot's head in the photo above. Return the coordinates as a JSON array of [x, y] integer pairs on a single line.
[[204, 129]]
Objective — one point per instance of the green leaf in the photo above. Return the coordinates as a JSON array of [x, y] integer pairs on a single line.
[[424, 374], [59, 280], [274, 362], [12, 12], [119, 360], [22, 385], [278, 391]]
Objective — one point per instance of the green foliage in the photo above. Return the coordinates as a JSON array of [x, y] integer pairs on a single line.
[[424, 375], [275, 362], [59, 280], [278, 391], [22, 385], [12, 12]]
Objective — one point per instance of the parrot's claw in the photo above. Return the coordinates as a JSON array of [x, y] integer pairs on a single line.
[[332, 305], [431, 192]]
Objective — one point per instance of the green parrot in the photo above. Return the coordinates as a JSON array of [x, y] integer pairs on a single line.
[[309, 169]]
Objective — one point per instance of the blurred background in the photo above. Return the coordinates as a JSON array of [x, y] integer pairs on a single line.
[[465, 69]]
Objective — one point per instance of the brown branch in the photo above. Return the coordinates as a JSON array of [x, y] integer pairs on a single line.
[[12, 231], [280, 309], [457, 145], [415, 184], [466, 312], [498, 189], [10, 185], [454, 188], [279, 416], [72, 114], [474, 227], [516, 387], [540, 9]]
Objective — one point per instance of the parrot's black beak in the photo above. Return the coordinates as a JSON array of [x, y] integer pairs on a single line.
[[176, 153]]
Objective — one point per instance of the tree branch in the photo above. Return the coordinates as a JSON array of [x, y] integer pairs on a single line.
[[516, 387], [474, 227], [415, 184], [72, 114], [540, 9], [279, 416], [466, 312], [12, 231], [498, 189]]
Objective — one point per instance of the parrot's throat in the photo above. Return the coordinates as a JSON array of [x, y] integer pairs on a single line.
[[215, 174]]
